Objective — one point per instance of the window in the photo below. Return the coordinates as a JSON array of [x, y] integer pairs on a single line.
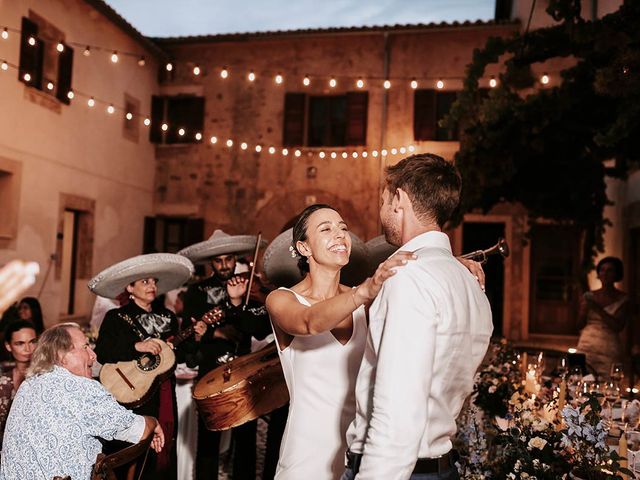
[[183, 114], [42, 65], [171, 234], [555, 264], [325, 120], [10, 179], [431, 106], [131, 127]]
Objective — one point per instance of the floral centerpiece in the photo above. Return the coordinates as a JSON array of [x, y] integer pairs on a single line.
[[584, 441]]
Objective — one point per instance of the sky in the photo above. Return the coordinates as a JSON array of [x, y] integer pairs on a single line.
[[170, 18]]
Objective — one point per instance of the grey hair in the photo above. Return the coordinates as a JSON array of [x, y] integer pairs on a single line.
[[52, 345]]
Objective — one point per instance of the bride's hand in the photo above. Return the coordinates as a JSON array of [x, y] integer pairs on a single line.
[[367, 290]]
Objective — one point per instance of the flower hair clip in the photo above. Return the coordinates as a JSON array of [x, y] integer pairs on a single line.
[[293, 251]]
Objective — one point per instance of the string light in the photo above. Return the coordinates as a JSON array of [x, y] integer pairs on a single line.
[[50, 86], [278, 79], [402, 150], [198, 136], [334, 155], [360, 83], [243, 145], [258, 148], [387, 84], [412, 148], [440, 84], [27, 77], [181, 132], [169, 66], [394, 151], [493, 82], [414, 84], [141, 62], [364, 154], [87, 51], [31, 41], [344, 155], [196, 70], [114, 57], [147, 121], [306, 81], [333, 82], [60, 47], [354, 154], [285, 152], [91, 102], [321, 154], [374, 154], [5, 34], [224, 73], [129, 116], [229, 143], [4, 65], [272, 150], [164, 127], [213, 140], [544, 79], [297, 153], [383, 152], [251, 77], [111, 109]]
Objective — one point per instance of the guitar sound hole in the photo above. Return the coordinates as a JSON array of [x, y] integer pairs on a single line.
[[148, 362]]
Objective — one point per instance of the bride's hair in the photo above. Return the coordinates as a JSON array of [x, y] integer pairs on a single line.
[[300, 232]]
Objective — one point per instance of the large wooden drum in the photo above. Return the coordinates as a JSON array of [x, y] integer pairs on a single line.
[[241, 390]]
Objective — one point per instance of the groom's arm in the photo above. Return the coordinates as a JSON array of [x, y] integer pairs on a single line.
[[405, 358]]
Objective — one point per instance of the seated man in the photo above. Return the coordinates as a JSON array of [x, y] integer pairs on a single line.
[[60, 412]]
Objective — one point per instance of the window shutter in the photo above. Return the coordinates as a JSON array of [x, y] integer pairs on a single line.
[[193, 231], [184, 111], [357, 103], [65, 67], [424, 114], [30, 55], [293, 128], [149, 235], [157, 116]]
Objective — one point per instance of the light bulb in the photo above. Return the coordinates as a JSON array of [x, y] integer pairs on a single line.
[[403, 150], [306, 81], [114, 57], [196, 70], [285, 152], [345, 154], [333, 82], [374, 154], [198, 136], [272, 150], [321, 154], [440, 84], [258, 148], [4, 65], [181, 131], [493, 82], [394, 151], [147, 122], [164, 127], [354, 154], [60, 47], [129, 116], [387, 84], [111, 109], [169, 67], [251, 77], [414, 84], [50, 86], [279, 79], [5, 34], [364, 154], [224, 73], [31, 41], [91, 102], [87, 51], [334, 155], [27, 77], [70, 95], [213, 140], [229, 143], [244, 145], [360, 83], [383, 152], [412, 148], [544, 79], [142, 62], [297, 153]]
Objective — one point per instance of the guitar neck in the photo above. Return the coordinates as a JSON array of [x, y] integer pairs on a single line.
[[181, 336]]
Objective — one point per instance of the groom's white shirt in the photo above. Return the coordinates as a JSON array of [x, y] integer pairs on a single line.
[[429, 329]]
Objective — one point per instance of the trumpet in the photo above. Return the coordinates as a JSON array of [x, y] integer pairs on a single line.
[[481, 255]]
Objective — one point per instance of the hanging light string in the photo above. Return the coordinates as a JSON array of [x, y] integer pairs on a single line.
[[93, 102]]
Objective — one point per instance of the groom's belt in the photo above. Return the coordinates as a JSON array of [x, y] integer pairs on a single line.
[[423, 465]]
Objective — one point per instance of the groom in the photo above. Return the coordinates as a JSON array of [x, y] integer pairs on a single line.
[[429, 329]]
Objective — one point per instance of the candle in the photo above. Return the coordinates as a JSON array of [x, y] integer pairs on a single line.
[[531, 381], [562, 396], [523, 364], [622, 451]]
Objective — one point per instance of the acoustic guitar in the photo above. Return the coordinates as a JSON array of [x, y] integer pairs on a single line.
[[241, 390], [133, 382]]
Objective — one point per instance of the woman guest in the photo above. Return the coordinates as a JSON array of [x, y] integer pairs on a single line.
[[136, 328], [20, 341], [29, 309], [604, 313]]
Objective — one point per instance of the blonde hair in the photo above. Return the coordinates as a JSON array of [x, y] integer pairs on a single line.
[[52, 345]]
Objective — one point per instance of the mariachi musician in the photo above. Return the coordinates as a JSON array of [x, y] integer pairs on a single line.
[[242, 320], [136, 328]]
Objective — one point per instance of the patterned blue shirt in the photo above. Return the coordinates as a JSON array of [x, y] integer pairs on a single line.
[[54, 425]]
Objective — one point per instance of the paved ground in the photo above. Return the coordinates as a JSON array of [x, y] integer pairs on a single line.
[[226, 463]]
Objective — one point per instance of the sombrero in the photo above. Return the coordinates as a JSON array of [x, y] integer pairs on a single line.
[[220, 243], [379, 250], [169, 269], [282, 269]]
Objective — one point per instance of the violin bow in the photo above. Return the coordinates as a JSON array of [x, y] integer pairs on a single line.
[[253, 269]]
